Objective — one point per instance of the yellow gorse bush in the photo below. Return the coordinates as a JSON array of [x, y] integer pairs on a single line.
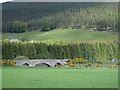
[[58, 65], [13, 63], [90, 63], [72, 65], [8, 62], [4, 62], [97, 65], [73, 62]]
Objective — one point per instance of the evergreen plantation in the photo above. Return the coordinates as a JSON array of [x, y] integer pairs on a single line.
[[48, 16]]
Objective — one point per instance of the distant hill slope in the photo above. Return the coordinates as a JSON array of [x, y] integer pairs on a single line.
[[63, 35], [34, 10], [82, 15]]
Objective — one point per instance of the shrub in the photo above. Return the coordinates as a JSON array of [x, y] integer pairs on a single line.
[[21, 58], [80, 60], [73, 62], [58, 65], [89, 64], [12, 63], [97, 65], [71, 65], [46, 27], [8, 62], [99, 61]]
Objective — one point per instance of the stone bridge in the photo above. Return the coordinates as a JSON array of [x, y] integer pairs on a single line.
[[48, 62]]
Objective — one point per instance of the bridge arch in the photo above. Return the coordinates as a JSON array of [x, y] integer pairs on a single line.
[[58, 63], [26, 64], [42, 65]]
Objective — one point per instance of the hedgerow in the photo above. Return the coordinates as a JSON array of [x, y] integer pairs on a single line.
[[105, 50]]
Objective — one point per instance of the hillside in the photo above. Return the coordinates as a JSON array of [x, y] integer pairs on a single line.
[[34, 10], [48, 16], [63, 35]]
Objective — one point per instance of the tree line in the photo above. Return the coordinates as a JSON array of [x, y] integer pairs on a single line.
[[90, 50], [15, 27]]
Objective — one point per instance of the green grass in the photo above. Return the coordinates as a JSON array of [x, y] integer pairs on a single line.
[[64, 35], [29, 77]]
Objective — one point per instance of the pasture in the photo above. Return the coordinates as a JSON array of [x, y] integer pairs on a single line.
[[63, 35], [36, 77]]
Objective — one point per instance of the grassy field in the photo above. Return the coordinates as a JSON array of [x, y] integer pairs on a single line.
[[29, 77], [64, 35]]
